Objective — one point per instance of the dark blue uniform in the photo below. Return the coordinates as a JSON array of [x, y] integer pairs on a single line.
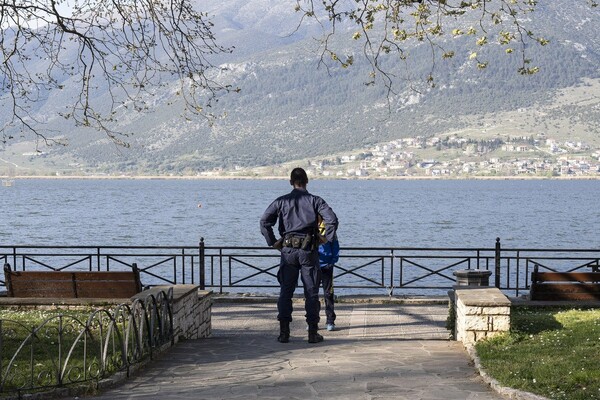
[[297, 213]]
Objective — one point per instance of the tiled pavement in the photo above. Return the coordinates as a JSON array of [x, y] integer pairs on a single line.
[[393, 351]]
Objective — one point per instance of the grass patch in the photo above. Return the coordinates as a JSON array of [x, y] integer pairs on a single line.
[[35, 317], [550, 352], [35, 344]]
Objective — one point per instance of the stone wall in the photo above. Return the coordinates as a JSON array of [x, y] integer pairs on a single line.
[[480, 313], [191, 310], [191, 307], [191, 315]]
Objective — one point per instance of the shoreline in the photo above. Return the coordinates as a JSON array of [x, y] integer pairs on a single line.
[[241, 177]]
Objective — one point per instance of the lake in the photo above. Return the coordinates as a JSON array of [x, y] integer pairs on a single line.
[[390, 213]]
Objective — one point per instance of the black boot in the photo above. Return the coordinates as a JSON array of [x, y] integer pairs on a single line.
[[313, 334], [284, 332]]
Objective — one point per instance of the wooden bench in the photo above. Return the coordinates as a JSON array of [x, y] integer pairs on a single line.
[[73, 284], [564, 285]]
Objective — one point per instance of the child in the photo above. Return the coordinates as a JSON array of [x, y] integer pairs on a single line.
[[329, 253]]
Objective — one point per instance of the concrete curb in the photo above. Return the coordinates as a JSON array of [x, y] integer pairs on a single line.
[[507, 392]]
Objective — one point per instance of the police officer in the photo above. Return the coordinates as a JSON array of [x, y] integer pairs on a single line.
[[298, 213]]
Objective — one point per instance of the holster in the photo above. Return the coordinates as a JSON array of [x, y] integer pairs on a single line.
[[307, 242]]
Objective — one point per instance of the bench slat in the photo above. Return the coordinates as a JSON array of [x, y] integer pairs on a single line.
[[557, 296], [565, 287], [106, 289], [104, 275], [45, 284], [566, 277], [60, 288], [43, 275]]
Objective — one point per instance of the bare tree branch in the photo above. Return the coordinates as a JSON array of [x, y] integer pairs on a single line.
[[128, 47], [388, 28]]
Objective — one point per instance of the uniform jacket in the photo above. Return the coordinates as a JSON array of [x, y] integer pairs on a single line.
[[297, 213]]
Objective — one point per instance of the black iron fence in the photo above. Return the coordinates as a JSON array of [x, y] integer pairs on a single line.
[[360, 270], [73, 348]]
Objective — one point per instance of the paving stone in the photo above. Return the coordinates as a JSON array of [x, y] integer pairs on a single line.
[[379, 352]]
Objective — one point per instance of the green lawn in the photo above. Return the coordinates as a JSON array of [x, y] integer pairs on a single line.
[[42, 356], [550, 352]]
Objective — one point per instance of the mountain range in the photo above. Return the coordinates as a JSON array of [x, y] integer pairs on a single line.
[[290, 107]]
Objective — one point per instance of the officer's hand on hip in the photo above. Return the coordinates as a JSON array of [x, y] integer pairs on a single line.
[[278, 245]]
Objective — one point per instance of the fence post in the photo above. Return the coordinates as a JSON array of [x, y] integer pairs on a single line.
[[391, 290], [497, 263], [202, 270], [15, 258], [98, 263]]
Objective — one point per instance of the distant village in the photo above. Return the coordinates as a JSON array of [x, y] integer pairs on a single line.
[[448, 156], [455, 156]]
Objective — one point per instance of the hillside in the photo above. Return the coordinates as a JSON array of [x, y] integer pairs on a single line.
[[290, 109]]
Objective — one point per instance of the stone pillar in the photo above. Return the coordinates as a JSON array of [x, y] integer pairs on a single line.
[[480, 313], [191, 310], [205, 309]]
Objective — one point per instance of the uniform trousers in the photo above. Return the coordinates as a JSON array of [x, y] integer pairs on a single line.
[[327, 279], [303, 263]]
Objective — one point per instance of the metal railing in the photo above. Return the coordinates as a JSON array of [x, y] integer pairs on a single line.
[[360, 270], [158, 265], [400, 270], [65, 349]]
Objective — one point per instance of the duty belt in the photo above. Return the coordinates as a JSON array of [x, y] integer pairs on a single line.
[[298, 242]]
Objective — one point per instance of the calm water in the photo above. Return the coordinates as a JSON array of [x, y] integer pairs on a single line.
[[527, 213]]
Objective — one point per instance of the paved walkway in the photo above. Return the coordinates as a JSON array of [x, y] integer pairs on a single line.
[[379, 352]]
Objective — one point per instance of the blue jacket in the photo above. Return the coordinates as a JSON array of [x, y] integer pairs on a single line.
[[329, 253]]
